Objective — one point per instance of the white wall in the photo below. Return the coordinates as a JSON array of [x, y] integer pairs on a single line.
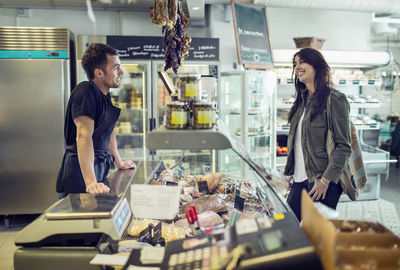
[[342, 30], [107, 22]]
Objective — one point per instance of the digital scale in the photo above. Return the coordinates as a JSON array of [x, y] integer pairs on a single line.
[[78, 219], [67, 234]]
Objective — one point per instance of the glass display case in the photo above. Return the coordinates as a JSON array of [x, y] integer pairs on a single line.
[[266, 183], [248, 107], [160, 98], [161, 95]]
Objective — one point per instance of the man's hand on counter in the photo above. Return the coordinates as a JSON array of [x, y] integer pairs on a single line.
[[127, 164], [97, 188]]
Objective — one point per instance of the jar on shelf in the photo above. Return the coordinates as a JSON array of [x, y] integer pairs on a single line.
[[189, 87], [203, 115], [177, 115]]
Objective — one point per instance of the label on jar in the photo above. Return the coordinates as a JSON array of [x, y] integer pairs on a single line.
[[204, 117], [191, 90], [179, 118]]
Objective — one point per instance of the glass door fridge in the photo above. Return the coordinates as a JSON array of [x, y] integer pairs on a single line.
[[248, 108], [192, 159]]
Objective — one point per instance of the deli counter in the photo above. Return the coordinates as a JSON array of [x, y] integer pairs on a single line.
[[242, 211]]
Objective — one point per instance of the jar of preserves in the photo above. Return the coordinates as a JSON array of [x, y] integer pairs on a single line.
[[177, 114], [189, 87], [203, 115]]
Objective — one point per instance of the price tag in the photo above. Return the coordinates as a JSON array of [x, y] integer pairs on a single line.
[[145, 235], [157, 231], [238, 188], [203, 186], [169, 183], [239, 203]]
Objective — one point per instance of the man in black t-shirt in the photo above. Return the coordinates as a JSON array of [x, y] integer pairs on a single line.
[[90, 118]]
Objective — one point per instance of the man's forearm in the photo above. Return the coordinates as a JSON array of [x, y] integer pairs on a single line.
[[86, 159]]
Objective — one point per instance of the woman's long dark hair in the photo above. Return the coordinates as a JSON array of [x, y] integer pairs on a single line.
[[322, 81]]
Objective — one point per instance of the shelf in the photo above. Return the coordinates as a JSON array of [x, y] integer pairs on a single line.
[[282, 105], [130, 134], [377, 82], [365, 105], [249, 113], [285, 130], [163, 138], [254, 134]]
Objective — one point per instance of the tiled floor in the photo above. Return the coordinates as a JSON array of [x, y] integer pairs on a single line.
[[390, 191], [7, 235]]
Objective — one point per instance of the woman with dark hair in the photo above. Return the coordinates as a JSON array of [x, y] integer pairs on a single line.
[[307, 161]]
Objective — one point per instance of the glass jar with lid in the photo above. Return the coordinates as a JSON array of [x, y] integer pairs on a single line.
[[177, 114], [203, 115], [189, 87]]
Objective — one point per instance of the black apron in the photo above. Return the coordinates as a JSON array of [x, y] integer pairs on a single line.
[[70, 179]]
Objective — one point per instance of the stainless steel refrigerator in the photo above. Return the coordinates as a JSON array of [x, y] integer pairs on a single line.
[[34, 87]]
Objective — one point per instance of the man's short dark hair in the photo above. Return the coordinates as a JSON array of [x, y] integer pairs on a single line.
[[95, 56]]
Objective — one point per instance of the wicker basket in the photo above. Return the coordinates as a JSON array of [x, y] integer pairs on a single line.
[[309, 42]]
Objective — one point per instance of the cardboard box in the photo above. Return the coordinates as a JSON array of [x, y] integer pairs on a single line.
[[339, 248]]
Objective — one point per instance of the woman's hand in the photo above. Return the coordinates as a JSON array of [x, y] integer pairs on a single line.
[[319, 189]]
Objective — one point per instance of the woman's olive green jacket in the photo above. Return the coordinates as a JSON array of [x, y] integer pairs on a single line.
[[313, 138]]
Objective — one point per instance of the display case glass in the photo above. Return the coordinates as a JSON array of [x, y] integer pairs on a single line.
[[262, 196], [161, 97], [247, 106]]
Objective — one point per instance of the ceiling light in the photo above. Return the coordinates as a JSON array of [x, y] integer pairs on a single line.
[[195, 8]]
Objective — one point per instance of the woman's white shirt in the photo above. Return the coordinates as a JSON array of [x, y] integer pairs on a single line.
[[299, 167]]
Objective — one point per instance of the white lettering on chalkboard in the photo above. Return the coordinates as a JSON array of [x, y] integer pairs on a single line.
[[139, 53], [249, 49], [206, 48], [156, 55], [250, 33], [154, 48], [133, 48], [202, 55]]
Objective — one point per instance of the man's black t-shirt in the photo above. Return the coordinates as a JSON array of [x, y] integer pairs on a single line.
[[86, 100]]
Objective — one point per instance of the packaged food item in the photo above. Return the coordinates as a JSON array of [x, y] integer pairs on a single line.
[[177, 115], [189, 86], [170, 232], [214, 203], [203, 115], [206, 219], [213, 180]]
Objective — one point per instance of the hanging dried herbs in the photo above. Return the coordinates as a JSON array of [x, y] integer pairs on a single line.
[[169, 15]]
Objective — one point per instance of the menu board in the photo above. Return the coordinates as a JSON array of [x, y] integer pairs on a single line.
[[252, 35], [151, 48]]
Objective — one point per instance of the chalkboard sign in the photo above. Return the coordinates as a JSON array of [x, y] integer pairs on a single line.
[[252, 35], [151, 48]]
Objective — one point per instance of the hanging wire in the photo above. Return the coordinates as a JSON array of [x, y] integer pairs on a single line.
[[179, 161]]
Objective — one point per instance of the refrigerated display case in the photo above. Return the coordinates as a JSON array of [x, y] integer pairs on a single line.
[[248, 107], [160, 98]]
